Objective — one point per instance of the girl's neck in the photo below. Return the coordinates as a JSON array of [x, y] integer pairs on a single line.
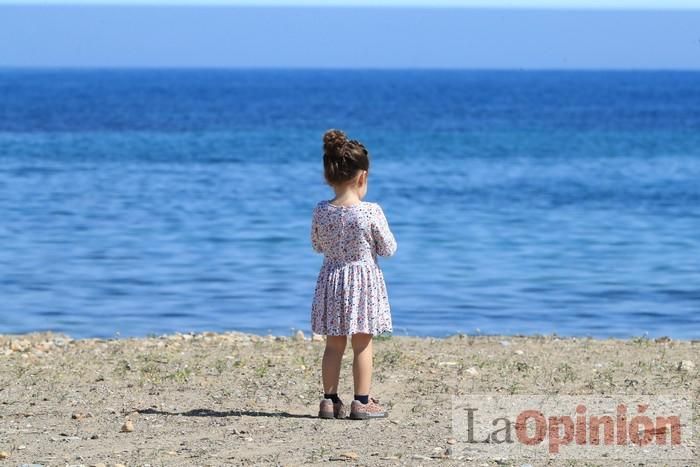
[[345, 198]]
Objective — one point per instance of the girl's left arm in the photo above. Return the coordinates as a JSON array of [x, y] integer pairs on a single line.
[[384, 241], [315, 239]]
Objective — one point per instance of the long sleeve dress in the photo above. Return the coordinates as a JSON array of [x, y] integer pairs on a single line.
[[351, 295]]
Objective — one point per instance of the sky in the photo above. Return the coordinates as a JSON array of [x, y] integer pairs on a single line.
[[614, 4], [534, 34]]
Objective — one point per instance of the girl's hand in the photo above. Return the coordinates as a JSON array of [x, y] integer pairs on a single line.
[[384, 241]]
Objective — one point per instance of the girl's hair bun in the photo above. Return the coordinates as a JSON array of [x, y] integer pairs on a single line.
[[333, 141], [342, 158]]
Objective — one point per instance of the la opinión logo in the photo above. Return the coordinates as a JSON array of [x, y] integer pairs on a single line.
[[623, 426], [583, 429]]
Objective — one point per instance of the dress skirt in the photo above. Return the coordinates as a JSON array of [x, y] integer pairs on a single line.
[[350, 298]]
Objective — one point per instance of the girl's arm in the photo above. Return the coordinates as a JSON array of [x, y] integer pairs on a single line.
[[384, 241], [315, 239]]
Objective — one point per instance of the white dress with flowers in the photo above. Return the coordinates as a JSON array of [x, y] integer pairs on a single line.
[[351, 295]]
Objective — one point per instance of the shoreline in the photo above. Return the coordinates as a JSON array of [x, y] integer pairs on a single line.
[[239, 399], [307, 334]]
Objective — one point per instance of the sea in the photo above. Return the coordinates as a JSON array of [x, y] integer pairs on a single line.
[[138, 202]]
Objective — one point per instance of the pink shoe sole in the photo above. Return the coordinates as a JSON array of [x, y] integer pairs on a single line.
[[372, 409]]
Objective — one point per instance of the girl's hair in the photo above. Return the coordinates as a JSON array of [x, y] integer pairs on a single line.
[[342, 157]]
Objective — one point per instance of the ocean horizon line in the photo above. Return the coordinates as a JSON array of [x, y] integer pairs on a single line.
[[350, 69]]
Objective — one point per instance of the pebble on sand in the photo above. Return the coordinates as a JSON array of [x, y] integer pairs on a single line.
[[472, 371], [4, 454], [20, 345], [128, 426], [349, 455]]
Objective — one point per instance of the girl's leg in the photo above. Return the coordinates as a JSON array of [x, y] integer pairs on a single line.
[[362, 363], [364, 407], [332, 357]]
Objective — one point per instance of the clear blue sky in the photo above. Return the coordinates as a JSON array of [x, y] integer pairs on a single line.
[[530, 34], [615, 4]]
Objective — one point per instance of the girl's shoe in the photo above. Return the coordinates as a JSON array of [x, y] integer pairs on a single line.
[[328, 409], [372, 409]]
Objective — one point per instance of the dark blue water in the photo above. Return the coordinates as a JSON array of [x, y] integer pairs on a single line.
[[138, 202]]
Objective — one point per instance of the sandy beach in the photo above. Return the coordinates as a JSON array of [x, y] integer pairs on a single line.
[[238, 399]]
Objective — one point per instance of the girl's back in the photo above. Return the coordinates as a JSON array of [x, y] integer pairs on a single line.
[[351, 233]]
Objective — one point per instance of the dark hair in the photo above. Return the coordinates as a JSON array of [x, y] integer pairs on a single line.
[[342, 157]]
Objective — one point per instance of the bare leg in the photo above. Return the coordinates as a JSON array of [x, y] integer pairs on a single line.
[[362, 363], [332, 357]]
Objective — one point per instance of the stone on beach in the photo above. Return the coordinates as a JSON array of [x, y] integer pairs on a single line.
[[128, 426], [20, 345], [472, 371], [317, 337]]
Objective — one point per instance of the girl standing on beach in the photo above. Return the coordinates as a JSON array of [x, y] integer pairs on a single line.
[[350, 297]]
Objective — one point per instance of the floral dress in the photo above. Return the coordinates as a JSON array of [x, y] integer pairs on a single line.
[[351, 295]]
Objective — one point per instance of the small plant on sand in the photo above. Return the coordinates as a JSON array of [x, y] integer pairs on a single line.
[[20, 370], [122, 368], [221, 365], [564, 373], [151, 372], [390, 358], [513, 387], [261, 371], [180, 376], [606, 377], [641, 366], [238, 364], [641, 340], [318, 455]]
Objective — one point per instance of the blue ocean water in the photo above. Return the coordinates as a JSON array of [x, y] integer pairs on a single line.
[[137, 202]]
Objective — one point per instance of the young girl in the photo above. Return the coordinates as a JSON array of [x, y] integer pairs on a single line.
[[350, 297]]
